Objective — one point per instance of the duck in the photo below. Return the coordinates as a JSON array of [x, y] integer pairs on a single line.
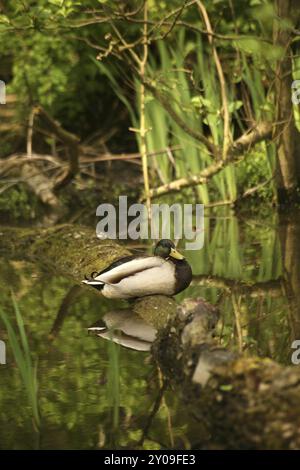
[[166, 272]]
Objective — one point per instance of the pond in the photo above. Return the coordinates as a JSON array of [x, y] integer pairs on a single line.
[[94, 393]]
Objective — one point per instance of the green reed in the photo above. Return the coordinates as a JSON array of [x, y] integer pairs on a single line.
[[113, 382], [188, 75], [28, 369]]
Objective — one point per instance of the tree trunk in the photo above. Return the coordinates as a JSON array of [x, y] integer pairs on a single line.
[[239, 402], [287, 135], [289, 231]]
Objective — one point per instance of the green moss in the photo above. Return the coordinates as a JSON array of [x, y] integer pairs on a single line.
[[156, 310], [74, 250]]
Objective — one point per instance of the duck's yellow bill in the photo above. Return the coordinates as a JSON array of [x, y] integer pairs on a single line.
[[175, 254]]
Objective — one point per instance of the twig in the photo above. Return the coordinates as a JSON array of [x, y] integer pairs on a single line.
[[227, 135], [178, 14], [124, 156], [241, 146], [143, 130], [16, 160], [30, 131]]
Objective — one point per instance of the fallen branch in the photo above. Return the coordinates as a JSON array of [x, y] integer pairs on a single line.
[[71, 142], [32, 172], [10, 164]]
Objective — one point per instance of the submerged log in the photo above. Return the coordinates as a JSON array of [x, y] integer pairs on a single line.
[[239, 402]]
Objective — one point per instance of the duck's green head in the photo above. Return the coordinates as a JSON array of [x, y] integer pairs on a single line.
[[166, 249]]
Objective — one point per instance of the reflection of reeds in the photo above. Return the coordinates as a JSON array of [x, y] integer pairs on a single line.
[[240, 269], [113, 382], [237, 314], [21, 351]]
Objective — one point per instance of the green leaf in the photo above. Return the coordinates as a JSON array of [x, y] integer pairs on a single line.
[[235, 105], [58, 3], [226, 388], [4, 19]]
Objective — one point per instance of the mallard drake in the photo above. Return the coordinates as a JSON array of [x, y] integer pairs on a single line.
[[166, 273]]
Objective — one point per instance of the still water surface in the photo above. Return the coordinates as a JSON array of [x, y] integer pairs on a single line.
[[96, 394]]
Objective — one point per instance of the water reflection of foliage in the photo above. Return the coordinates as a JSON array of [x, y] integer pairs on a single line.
[[240, 269], [233, 270], [73, 375]]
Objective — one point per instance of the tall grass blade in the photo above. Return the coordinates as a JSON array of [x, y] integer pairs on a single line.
[[21, 351]]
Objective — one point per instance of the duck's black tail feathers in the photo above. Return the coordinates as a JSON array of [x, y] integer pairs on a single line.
[[90, 281]]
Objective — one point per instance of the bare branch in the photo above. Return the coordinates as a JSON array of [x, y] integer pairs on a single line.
[[241, 146], [263, 131]]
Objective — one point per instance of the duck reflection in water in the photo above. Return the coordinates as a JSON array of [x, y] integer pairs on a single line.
[[126, 328]]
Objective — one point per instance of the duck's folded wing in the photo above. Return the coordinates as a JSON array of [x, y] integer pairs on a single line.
[[129, 268]]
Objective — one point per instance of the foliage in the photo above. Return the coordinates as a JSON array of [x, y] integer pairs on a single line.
[[18, 204], [52, 65], [54, 61]]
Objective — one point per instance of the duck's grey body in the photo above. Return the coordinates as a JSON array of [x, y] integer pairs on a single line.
[[165, 273], [137, 278]]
